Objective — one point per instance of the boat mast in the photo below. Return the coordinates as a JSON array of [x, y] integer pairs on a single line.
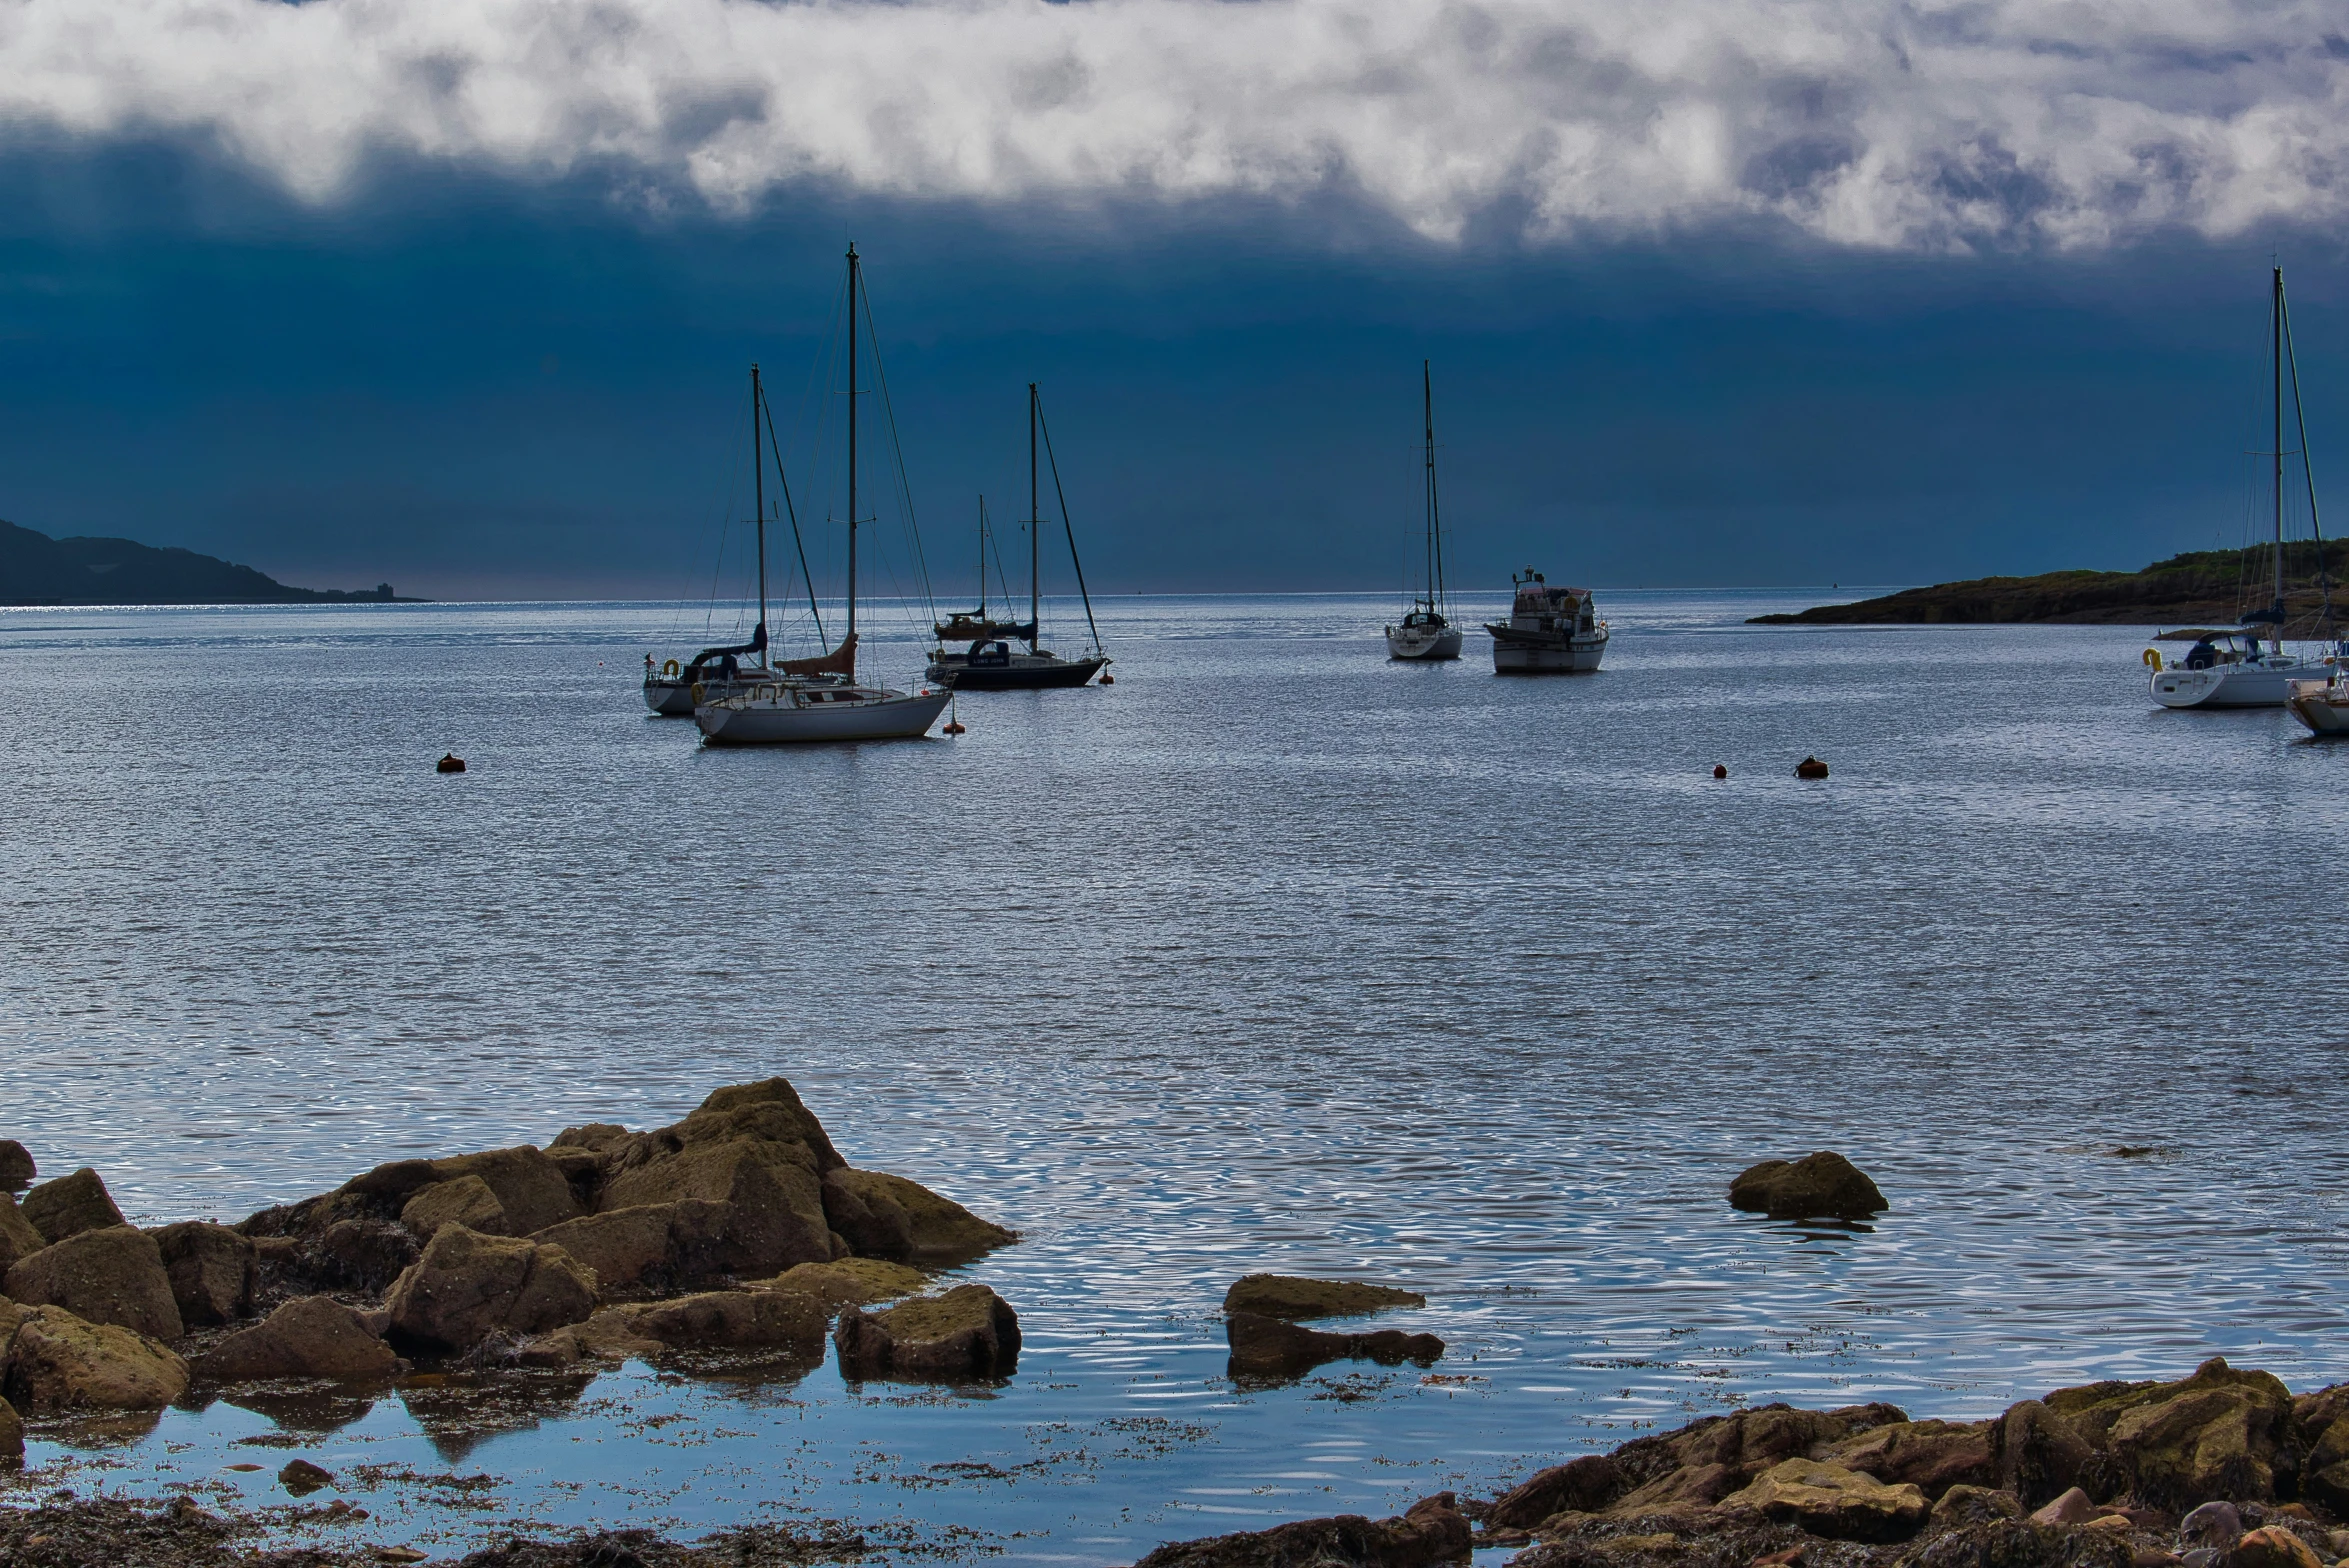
[[2276, 356], [982, 558], [758, 490], [1035, 529], [1435, 548], [855, 284]]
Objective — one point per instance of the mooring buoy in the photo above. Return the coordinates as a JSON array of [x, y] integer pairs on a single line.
[[1720, 770], [1810, 768], [450, 762]]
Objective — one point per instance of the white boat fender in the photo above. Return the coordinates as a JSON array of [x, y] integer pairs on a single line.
[[1810, 768], [2153, 658]]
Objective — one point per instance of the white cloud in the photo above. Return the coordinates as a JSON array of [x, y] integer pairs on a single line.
[[1864, 122]]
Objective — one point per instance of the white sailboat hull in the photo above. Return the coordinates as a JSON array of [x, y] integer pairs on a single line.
[[800, 715], [2230, 685], [1423, 642]]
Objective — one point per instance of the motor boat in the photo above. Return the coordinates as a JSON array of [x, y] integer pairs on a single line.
[[1550, 631], [786, 712]]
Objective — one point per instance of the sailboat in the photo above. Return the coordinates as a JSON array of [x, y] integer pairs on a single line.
[[2228, 668], [673, 690], [1424, 633], [991, 663], [967, 626], [820, 699]]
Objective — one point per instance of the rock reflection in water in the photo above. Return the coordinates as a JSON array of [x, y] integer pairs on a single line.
[[459, 1411]]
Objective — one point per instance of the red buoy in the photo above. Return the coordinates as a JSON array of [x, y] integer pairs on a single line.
[[1720, 770], [1810, 768], [450, 763]]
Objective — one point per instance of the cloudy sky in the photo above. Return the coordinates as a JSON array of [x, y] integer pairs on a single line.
[[462, 294]]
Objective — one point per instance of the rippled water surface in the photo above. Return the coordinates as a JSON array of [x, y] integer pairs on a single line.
[[1273, 955]]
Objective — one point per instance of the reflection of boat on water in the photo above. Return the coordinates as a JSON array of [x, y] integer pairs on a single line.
[[819, 699], [673, 690], [2229, 668], [991, 663], [1550, 631], [1424, 633]]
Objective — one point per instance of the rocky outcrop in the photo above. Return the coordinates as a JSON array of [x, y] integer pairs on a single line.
[[1817, 1186], [18, 1239], [530, 1189], [712, 1320], [1932, 1456], [1583, 1485], [16, 1166], [465, 1201], [1828, 1500], [11, 1435], [1432, 1531], [1288, 1296], [967, 1332], [753, 1149], [1274, 1347], [211, 1269], [70, 1205], [2219, 1434], [640, 1245], [57, 1362], [2038, 1454], [884, 1216], [467, 1286], [850, 1282], [316, 1336], [115, 1276]]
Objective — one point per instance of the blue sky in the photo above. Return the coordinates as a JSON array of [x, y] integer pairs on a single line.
[[1738, 310]]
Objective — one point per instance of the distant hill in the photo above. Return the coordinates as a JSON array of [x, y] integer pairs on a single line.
[[36, 569], [2204, 588]]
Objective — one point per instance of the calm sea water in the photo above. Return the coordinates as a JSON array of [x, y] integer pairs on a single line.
[[1273, 955]]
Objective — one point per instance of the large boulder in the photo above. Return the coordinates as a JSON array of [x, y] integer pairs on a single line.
[[2320, 1431], [16, 1166], [356, 1254], [211, 1269], [18, 1239], [70, 1205], [850, 1282], [1932, 1456], [1275, 1347], [1698, 1465], [464, 1200], [11, 1435], [58, 1362], [1829, 1500], [2038, 1454], [773, 1214], [884, 1216], [1288, 1296], [1582, 1486], [967, 1332], [2218, 1434], [713, 1320], [531, 1189], [316, 1336], [625, 1247], [467, 1286], [1822, 1185], [1432, 1531], [115, 1275]]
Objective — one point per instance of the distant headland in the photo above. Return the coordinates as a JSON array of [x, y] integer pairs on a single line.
[[2203, 587], [38, 570]]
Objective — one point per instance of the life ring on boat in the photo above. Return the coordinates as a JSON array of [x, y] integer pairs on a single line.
[[2153, 658], [697, 689], [669, 668]]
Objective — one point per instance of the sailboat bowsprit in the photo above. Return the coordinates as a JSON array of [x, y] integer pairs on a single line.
[[991, 663]]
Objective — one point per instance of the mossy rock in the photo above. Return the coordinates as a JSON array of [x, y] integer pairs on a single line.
[[1290, 1296]]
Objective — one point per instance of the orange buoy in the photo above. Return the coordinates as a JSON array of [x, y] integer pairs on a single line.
[[450, 763], [952, 728], [1720, 770], [1108, 679], [1810, 768]]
